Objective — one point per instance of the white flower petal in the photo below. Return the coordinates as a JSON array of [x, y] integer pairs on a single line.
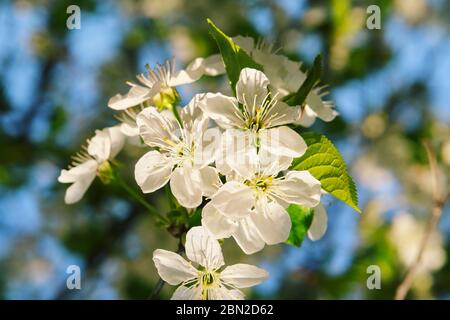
[[324, 110], [185, 188], [214, 65], [129, 130], [248, 237], [282, 141], [135, 141], [196, 132], [207, 146], [239, 152], [236, 294], [271, 164], [203, 248], [192, 113], [285, 75], [280, 114], [185, 293], [172, 267], [299, 187], [135, 96], [234, 200], [194, 72], [152, 171], [154, 127], [76, 191], [117, 140], [222, 293], [221, 163], [106, 143], [306, 117], [100, 146], [251, 88], [319, 223], [272, 221], [208, 181], [243, 275], [217, 223], [81, 178], [222, 109], [77, 172]]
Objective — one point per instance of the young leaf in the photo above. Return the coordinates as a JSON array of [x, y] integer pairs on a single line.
[[312, 78], [325, 163], [234, 58], [301, 219]]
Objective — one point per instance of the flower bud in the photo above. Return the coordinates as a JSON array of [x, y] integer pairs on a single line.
[[105, 172]]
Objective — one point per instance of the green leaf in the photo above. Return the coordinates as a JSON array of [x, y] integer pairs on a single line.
[[235, 59], [325, 163], [195, 219], [312, 78], [301, 219]]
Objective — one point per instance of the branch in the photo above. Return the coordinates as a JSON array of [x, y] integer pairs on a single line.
[[439, 199], [136, 196]]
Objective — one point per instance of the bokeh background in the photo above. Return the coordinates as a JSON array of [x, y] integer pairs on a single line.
[[391, 87]]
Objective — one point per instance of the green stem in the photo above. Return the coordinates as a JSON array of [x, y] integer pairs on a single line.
[[135, 195], [157, 289]]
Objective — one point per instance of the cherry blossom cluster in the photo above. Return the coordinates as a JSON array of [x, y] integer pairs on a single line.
[[228, 155]]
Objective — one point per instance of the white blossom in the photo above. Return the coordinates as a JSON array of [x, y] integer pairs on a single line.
[[253, 120], [286, 77], [251, 205], [157, 88], [319, 224], [89, 162], [162, 79], [182, 156], [205, 278]]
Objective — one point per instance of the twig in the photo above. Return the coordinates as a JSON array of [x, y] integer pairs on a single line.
[[135, 195], [439, 199], [157, 289]]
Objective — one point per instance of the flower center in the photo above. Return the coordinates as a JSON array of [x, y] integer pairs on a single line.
[[184, 152], [166, 98], [105, 172], [208, 280], [259, 114], [260, 183], [254, 122]]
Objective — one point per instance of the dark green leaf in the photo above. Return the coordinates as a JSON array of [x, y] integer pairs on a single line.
[[235, 59], [195, 219], [312, 78]]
